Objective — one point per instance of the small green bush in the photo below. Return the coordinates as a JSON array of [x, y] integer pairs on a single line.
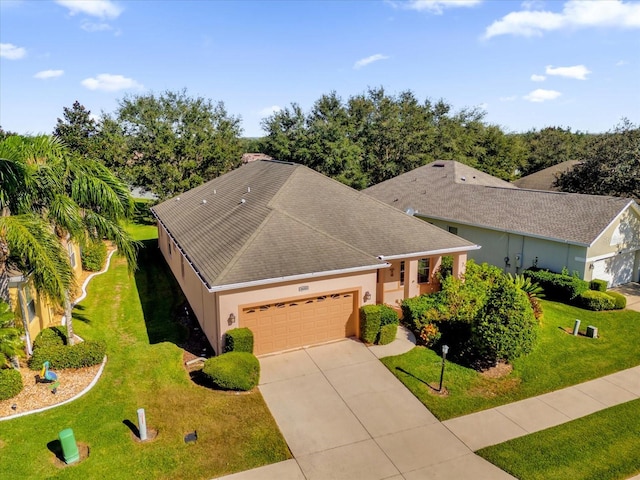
[[370, 322], [387, 334], [50, 337], [414, 309], [10, 383], [83, 354], [592, 300], [93, 256], [388, 316], [619, 300], [558, 286], [233, 371], [239, 340], [598, 285]]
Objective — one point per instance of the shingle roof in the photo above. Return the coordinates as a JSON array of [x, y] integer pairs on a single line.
[[268, 220], [440, 192], [544, 179]]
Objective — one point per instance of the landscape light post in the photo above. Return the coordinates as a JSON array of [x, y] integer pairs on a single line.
[[445, 350]]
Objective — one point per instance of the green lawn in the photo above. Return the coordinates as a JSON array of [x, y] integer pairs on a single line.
[[133, 314], [559, 360], [602, 446]]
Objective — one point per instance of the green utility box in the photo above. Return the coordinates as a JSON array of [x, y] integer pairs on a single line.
[[70, 450]]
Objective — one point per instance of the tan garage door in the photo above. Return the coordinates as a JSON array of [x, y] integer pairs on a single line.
[[283, 325]]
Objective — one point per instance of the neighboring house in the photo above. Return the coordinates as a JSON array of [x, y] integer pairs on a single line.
[[33, 306], [293, 255], [596, 236], [545, 179]]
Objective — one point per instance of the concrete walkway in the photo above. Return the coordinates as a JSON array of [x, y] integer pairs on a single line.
[[632, 292], [344, 415]]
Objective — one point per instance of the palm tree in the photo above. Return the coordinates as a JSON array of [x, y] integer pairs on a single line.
[[76, 198]]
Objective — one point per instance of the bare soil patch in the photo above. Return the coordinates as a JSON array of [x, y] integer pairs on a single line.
[[499, 370]]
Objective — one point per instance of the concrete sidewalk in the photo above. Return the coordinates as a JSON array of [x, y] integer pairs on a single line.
[[499, 424]]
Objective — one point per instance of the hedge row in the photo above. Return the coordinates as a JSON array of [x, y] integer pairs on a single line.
[[598, 285], [239, 340], [50, 337], [378, 324], [93, 256], [558, 286], [84, 354], [10, 383], [597, 301], [233, 371]]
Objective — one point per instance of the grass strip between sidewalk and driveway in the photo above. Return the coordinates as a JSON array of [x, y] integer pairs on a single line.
[[134, 315], [602, 446], [558, 360]]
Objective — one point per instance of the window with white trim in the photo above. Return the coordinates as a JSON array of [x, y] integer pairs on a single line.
[[402, 273], [31, 304], [423, 270], [72, 255]]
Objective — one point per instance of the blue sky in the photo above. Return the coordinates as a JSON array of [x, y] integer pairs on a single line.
[[529, 64]]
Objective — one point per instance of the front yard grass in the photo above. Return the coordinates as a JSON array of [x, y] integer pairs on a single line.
[[601, 446], [559, 360], [144, 369]]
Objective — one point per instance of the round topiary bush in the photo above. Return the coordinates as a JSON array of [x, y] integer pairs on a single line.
[[594, 300], [50, 337], [233, 371], [619, 300], [83, 354], [10, 383]]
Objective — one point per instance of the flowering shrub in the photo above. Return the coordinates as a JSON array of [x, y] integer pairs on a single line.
[[430, 334]]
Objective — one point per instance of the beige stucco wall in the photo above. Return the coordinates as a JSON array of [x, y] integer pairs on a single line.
[[45, 314]]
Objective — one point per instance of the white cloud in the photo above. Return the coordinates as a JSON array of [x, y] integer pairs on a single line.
[[579, 72], [45, 74], [110, 83], [11, 52], [541, 95], [621, 63], [510, 98], [95, 27], [265, 112], [366, 61], [93, 8], [538, 78], [437, 6], [575, 14]]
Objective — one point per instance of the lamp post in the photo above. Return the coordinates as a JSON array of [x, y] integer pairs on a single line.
[[445, 350]]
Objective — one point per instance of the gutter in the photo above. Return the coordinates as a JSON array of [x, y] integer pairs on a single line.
[[442, 251]]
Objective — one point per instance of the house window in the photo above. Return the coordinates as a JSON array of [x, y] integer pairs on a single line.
[[453, 230], [169, 244], [31, 304], [423, 270], [72, 255], [402, 273]]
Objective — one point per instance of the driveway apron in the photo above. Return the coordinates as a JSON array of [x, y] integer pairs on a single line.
[[344, 415]]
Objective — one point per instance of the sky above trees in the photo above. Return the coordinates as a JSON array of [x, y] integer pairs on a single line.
[[529, 64]]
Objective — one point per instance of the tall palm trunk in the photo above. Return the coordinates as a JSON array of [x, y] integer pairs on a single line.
[[69, 321], [4, 275]]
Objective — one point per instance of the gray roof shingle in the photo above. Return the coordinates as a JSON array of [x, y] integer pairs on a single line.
[[269, 220], [451, 191]]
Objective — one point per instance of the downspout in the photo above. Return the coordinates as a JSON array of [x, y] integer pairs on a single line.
[[25, 317]]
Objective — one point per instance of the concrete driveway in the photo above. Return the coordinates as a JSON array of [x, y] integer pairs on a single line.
[[344, 415], [632, 292]]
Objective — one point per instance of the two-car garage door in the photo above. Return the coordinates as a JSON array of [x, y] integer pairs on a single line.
[[280, 326]]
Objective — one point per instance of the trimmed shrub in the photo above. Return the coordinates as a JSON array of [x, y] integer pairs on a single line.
[[50, 337], [430, 334], [83, 354], [598, 285], [94, 255], [557, 286], [619, 300], [238, 340], [414, 310], [370, 322], [388, 315], [387, 334], [233, 371], [10, 383], [592, 300], [507, 328]]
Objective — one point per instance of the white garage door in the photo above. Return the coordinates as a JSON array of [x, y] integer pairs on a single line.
[[284, 325], [615, 270]]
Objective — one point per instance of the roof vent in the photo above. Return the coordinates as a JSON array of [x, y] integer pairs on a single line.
[[204, 201], [439, 165], [214, 191], [177, 199], [242, 201], [464, 179], [248, 189]]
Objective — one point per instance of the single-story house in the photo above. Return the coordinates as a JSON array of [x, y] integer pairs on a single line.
[[34, 309], [293, 255], [595, 236]]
